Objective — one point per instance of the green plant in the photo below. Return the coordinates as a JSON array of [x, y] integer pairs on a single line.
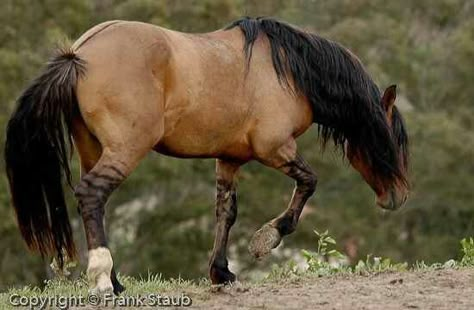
[[326, 260], [288, 270], [319, 261], [373, 264], [63, 273], [467, 248]]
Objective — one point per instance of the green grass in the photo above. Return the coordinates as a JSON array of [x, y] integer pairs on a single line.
[[134, 286], [318, 262], [317, 266]]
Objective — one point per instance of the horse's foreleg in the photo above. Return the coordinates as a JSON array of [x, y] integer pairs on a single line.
[[226, 214], [293, 165]]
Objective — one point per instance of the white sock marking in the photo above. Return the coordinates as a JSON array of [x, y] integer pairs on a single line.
[[99, 269]]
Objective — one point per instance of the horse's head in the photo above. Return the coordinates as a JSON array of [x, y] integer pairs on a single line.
[[385, 168]]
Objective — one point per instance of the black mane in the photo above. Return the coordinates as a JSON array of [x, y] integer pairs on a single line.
[[346, 102]]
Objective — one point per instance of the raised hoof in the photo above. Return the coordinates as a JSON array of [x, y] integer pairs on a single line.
[[221, 275], [264, 240], [103, 286]]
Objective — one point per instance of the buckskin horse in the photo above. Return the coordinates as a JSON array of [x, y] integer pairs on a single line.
[[241, 93]]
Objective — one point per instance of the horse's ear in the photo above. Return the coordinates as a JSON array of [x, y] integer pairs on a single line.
[[389, 97]]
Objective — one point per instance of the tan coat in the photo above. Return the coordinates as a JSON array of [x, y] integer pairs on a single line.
[[183, 95]]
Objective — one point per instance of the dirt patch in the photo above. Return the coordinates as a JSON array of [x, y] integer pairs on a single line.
[[439, 289]]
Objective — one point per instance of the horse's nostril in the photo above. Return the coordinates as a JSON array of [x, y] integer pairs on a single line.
[[387, 205], [404, 199]]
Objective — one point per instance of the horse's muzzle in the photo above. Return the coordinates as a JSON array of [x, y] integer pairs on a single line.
[[392, 200]]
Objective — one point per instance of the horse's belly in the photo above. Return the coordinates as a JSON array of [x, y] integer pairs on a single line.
[[205, 140], [204, 145]]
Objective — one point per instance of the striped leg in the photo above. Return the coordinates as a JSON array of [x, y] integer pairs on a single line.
[[226, 214], [294, 166], [92, 193]]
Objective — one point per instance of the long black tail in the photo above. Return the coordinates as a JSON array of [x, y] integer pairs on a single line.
[[37, 154]]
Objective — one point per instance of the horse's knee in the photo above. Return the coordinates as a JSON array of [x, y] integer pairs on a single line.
[[308, 183], [227, 213], [226, 204]]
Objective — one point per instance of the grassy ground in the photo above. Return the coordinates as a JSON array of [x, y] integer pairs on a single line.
[[429, 288], [371, 284]]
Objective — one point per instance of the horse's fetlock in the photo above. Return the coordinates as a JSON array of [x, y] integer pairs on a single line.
[[100, 261]]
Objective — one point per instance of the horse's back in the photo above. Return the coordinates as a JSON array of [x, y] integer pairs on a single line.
[[192, 93]]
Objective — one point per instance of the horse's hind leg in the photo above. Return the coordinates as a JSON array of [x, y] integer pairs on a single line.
[[92, 194], [226, 214], [122, 149], [126, 117], [117, 286], [90, 150], [287, 160]]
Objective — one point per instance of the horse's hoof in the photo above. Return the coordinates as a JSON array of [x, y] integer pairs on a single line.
[[221, 275], [118, 288], [103, 286], [264, 240]]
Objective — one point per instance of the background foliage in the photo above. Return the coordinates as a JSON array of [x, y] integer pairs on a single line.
[[161, 219]]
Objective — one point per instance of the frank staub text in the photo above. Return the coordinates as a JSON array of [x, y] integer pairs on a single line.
[[106, 300]]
